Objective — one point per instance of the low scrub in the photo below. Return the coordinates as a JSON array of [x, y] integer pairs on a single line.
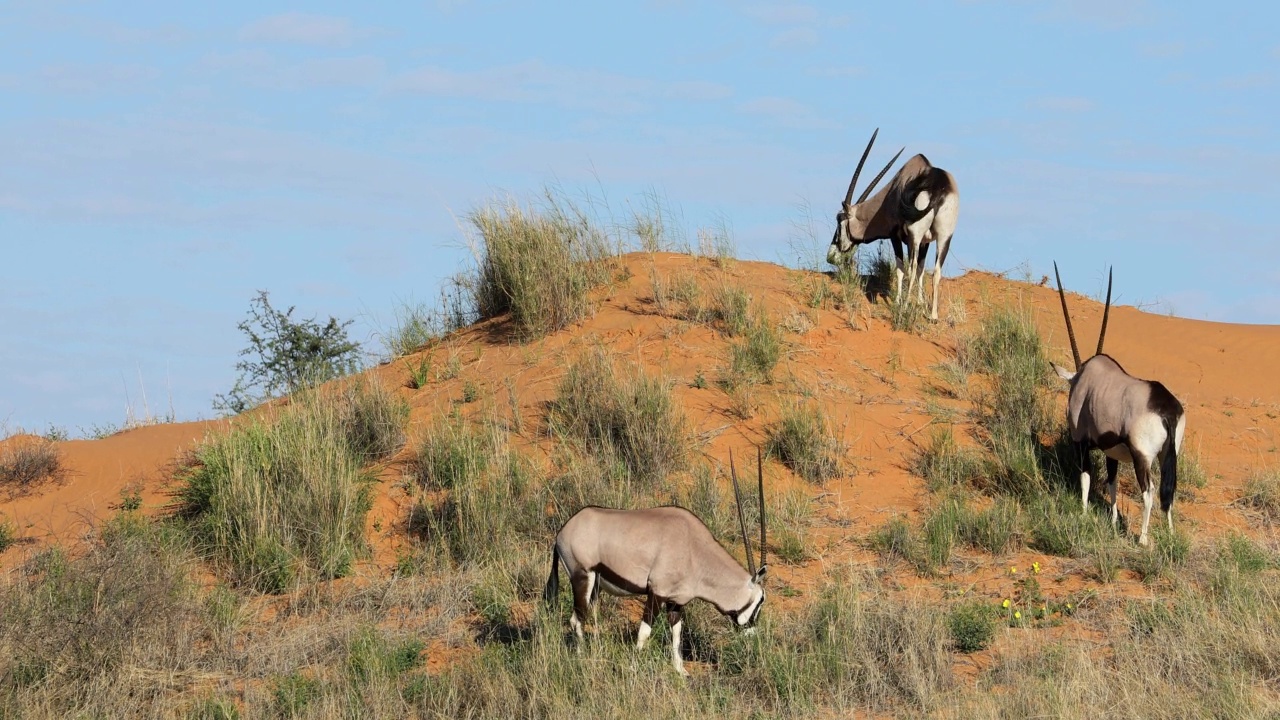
[[25, 464], [1014, 411], [1262, 493], [631, 418], [283, 500], [537, 264], [803, 439], [76, 633]]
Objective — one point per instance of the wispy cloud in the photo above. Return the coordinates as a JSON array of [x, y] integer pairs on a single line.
[[263, 69], [537, 82], [84, 79], [1163, 50], [787, 112], [1062, 104], [783, 13], [303, 29], [798, 38], [1104, 14]]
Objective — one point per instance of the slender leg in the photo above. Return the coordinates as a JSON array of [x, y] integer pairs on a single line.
[[1142, 468], [676, 620], [1082, 453], [1113, 466], [939, 257], [651, 605], [581, 594], [920, 263], [913, 256], [899, 271]]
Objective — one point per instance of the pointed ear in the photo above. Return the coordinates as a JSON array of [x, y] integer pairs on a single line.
[[1062, 372], [759, 574]]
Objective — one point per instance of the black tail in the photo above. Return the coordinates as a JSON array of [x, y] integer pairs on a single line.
[[552, 589], [1169, 464]]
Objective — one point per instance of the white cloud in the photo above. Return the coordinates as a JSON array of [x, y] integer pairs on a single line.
[[698, 91], [303, 29]]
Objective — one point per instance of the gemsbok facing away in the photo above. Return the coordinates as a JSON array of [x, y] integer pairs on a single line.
[[664, 553], [1128, 419], [920, 205]]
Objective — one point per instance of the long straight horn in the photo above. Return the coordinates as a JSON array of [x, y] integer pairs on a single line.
[[1075, 352], [742, 519], [849, 195], [760, 481], [872, 186], [1102, 334]]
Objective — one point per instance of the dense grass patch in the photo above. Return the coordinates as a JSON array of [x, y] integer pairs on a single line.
[[1014, 411], [944, 464], [74, 631], [538, 264], [283, 500], [1262, 493], [632, 418], [972, 625], [25, 464], [852, 648], [804, 440]]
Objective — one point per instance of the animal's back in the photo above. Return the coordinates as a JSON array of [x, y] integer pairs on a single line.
[[630, 542]]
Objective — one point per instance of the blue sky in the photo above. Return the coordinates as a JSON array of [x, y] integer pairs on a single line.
[[160, 162]]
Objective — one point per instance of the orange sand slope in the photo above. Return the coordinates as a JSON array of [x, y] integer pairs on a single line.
[[875, 383]]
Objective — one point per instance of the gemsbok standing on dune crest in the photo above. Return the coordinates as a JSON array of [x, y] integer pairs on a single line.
[[1137, 421], [664, 553], [920, 205]]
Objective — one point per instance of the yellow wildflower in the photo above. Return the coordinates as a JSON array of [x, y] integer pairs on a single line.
[[1005, 604], [1013, 570], [1017, 615], [1035, 568]]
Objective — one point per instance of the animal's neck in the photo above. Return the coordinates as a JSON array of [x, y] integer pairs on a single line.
[[871, 215], [727, 595]]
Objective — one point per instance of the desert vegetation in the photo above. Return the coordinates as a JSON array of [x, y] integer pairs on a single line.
[[372, 546]]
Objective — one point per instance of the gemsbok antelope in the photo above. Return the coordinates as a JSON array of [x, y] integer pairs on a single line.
[[664, 553], [1128, 419], [920, 205]]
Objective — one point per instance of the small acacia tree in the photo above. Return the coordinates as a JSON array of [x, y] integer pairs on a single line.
[[285, 355]]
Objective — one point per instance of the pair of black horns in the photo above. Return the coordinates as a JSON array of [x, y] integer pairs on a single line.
[[1106, 313], [742, 521], [854, 182]]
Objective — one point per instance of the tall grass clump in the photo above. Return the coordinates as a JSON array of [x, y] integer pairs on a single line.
[[495, 500], [372, 419], [633, 418], [1014, 411], [803, 439], [415, 327], [102, 632], [283, 500], [1262, 493], [538, 264], [756, 355], [25, 464], [944, 464]]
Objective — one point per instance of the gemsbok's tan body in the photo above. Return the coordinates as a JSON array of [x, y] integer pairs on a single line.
[[920, 205], [666, 554], [1129, 419]]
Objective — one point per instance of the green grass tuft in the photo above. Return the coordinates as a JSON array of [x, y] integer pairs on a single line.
[[803, 439]]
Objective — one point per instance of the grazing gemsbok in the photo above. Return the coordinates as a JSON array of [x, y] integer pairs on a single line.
[[918, 206], [664, 553], [1137, 421]]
